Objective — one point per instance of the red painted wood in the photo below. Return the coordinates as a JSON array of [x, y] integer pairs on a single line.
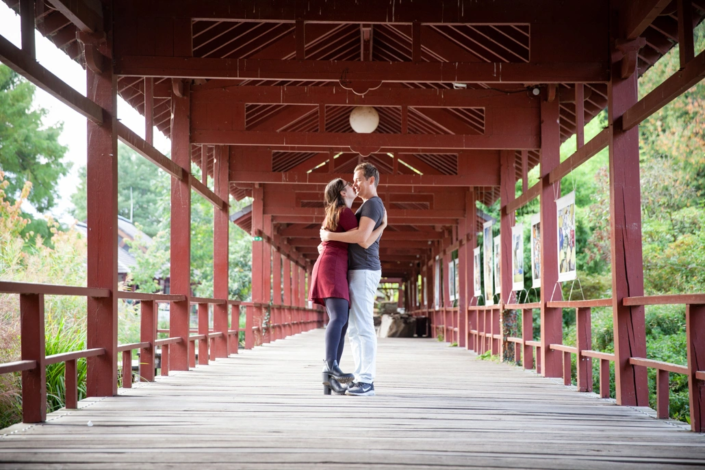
[[445, 293], [581, 155], [583, 342], [127, 369], [27, 27], [626, 250], [101, 196], [693, 299], [580, 114], [524, 171], [267, 272], [234, 339], [300, 36], [604, 378], [331, 71], [149, 110], [685, 31], [525, 198], [34, 395], [249, 325], [662, 393], [203, 329], [566, 369], [180, 261], [221, 237], [71, 385], [695, 339], [277, 313], [165, 361], [527, 334], [148, 333], [258, 257], [286, 272], [507, 194], [551, 318], [639, 14], [192, 354], [50, 289]]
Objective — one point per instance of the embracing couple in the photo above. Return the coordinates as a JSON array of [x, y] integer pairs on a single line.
[[345, 278]]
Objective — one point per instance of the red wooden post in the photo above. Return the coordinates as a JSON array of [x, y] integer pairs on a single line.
[[445, 294], [465, 270], [527, 334], [551, 318], [71, 384], [165, 361], [34, 389], [234, 339], [203, 330], [566, 369], [662, 394], [249, 323], [277, 313], [258, 257], [102, 201], [507, 194], [127, 369], [221, 241], [149, 110], [267, 275], [148, 334], [584, 342], [695, 340], [192, 354], [27, 15], [685, 31], [604, 378], [626, 249], [180, 264], [538, 359], [287, 295]]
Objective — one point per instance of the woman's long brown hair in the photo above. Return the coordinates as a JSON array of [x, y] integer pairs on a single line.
[[334, 203]]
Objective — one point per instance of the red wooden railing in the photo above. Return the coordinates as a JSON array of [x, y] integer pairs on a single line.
[[288, 320], [484, 334]]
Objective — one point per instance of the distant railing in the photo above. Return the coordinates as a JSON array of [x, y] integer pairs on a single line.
[[287, 321]]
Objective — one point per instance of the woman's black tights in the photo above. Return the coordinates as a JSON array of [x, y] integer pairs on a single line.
[[337, 327]]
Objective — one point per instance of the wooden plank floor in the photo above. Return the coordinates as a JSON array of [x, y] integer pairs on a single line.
[[436, 406]]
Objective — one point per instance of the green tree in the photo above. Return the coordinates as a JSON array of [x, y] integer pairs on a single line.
[[29, 151]]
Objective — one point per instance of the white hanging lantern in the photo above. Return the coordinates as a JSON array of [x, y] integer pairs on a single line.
[[364, 119]]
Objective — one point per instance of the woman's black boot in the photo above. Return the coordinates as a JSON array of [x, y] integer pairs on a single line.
[[331, 370], [337, 387]]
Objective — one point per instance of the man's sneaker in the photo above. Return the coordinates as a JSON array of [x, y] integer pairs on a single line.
[[361, 389]]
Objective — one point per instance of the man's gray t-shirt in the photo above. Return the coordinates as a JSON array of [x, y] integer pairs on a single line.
[[358, 257]]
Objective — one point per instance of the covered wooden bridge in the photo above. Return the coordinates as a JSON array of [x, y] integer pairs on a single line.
[[471, 95]]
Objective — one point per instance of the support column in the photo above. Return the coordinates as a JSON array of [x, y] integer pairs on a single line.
[[471, 244], [102, 202], [286, 270], [180, 271], [221, 243], [507, 194], [462, 279], [551, 318], [277, 312], [626, 250], [149, 110], [258, 258], [446, 303], [267, 277]]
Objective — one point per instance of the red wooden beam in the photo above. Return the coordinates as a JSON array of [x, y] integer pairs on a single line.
[[366, 143], [85, 18], [391, 213], [666, 92], [396, 72], [29, 68], [581, 155], [413, 221], [481, 178], [224, 91], [639, 14], [145, 149]]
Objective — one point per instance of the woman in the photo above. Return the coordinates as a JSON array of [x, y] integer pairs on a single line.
[[329, 279]]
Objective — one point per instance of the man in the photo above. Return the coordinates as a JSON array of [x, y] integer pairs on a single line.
[[364, 273]]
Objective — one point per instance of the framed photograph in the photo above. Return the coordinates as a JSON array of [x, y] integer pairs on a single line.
[[487, 261], [477, 280], [535, 251], [518, 257], [566, 238]]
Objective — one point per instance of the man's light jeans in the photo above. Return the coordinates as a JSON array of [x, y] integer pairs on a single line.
[[361, 328]]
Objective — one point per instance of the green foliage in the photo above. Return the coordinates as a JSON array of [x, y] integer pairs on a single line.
[[29, 150]]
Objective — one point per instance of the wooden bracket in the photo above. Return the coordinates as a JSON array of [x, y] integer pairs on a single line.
[[92, 43], [177, 85], [364, 151], [627, 51]]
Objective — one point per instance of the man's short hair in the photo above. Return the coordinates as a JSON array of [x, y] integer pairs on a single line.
[[369, 170]]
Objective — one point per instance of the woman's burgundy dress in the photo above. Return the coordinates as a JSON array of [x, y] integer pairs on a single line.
[[330, 273]]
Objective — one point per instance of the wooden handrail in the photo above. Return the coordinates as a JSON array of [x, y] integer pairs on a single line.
[[17, 366], [167, 341], [197, 337], [131, 346], [564, 348], [70, 356], [580, 303], [668, 366], [532, 306], [150, 297], [676, 299], [51, 289], [205, 300], [598, 355]]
